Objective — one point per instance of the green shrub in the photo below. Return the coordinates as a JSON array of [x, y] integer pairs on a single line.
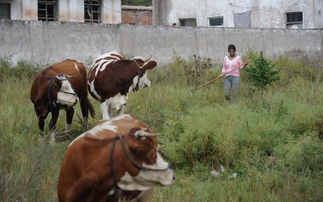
[[261, 73], [196, 70], [304, 118], [196, 140], [170, 74], [22, 70], [291, 69], [303, 155], [220, 135]]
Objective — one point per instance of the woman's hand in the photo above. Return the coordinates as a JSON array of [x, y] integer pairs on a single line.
[[246, 63], [250, 60]]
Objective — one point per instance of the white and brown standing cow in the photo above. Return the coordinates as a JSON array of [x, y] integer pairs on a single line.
[[60, 86], [112, 77], [116, 160]]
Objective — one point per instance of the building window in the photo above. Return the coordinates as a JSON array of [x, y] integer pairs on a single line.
[[188, 22], [294, 19], [216, 21], [92, 11], [47, 10], [4, 11]]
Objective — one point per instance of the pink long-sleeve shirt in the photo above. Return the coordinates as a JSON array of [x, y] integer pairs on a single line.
[[232, 67]]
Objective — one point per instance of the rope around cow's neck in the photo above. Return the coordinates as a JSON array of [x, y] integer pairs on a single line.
[[138, 68], [133, 161], [117, 189], [128, 155], [52, 102]]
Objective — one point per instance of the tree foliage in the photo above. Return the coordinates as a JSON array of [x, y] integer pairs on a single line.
[[261, 73], [137, 2]]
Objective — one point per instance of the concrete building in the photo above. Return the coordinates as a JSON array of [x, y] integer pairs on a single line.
[[93, 11], [137, 15], [297, 14]]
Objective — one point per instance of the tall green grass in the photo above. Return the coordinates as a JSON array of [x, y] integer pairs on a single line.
[[272, 140]]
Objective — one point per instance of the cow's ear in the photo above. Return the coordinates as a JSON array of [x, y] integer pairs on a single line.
[[139, 61], [149, 65], [142, 134]]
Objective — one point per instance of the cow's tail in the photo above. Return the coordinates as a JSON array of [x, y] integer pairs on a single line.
[[91, 108]]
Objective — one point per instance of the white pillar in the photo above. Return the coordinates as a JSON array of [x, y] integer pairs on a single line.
[[161, 12], [111, 11], [24, 10], [71, 11], [201, 17]]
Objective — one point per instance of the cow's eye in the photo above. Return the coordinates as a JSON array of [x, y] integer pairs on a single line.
[[141, 73]]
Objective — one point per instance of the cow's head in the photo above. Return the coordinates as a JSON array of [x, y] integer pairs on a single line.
[[154, 169], [141, 80], [62, 88]]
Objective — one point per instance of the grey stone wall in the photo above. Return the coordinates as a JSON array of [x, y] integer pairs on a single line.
[[49, 42]]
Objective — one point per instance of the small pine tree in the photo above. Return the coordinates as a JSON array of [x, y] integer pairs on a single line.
[[261, 73]]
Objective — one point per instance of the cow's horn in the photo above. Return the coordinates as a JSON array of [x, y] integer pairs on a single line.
[[68, 76], [148, 58], [142, 133]]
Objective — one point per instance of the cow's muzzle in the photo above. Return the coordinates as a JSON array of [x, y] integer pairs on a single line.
[[67, 98]]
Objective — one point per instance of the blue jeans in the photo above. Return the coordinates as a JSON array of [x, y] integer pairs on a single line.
[[231, 88]]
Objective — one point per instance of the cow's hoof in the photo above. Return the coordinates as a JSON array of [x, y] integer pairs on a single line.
[[85, 122], [52, 138], [68, 128], [215, 173], [40, 137]]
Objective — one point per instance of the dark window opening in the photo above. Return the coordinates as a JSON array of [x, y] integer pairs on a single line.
[[5, 11], [187, 22], [47, 10], [294, 18], [92, 11], [216, 21]]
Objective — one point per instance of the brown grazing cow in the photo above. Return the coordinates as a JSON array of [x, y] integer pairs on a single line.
[[112, 77], [117, 159], [57, 87]]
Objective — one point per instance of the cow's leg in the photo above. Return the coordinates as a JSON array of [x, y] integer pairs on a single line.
[[52, 125], [69, 118], [41, 122], [146, 196], [105, 110], [121, 110], [82, 189], [41, 112], [85, 110]]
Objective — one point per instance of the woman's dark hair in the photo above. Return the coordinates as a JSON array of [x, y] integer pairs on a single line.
[[232, 47]]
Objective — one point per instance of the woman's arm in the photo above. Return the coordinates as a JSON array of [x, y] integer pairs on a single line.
[[243, 65], [223, 68]]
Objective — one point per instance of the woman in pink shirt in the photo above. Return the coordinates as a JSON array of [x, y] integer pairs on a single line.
[[231, 71]]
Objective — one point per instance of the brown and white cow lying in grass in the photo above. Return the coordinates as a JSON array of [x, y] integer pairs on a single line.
[[60, 86], [117, 159], [112, 77]]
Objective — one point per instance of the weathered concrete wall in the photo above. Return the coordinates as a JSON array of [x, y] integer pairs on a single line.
[[264, 13], [49, 42]]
